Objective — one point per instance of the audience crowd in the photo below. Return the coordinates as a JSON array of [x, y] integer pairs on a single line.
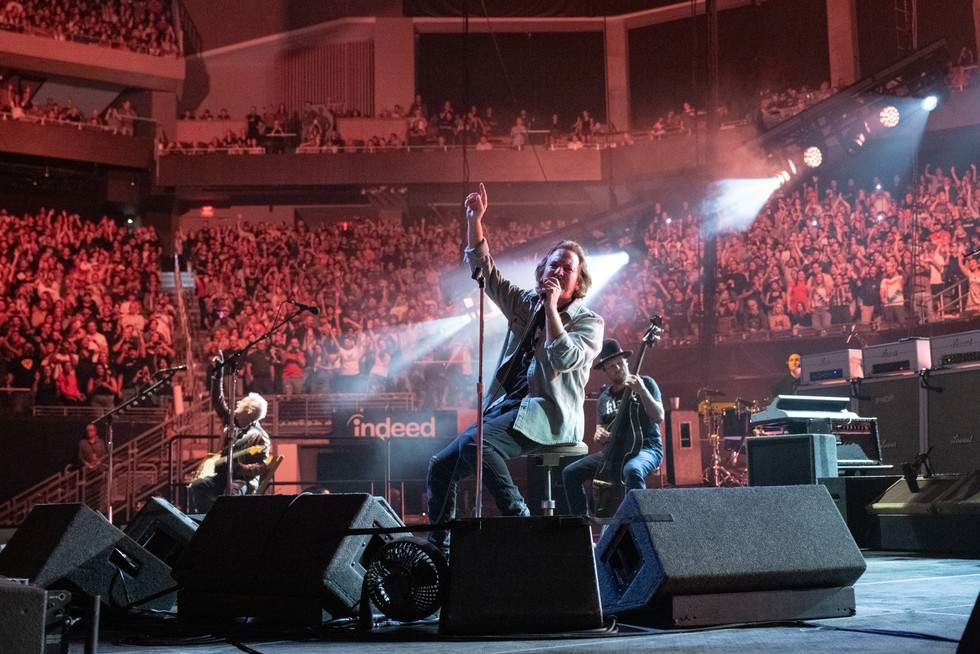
[[17, 102], [83, 319], [826, 256], [382, 288], [315, 129], [146, 27]]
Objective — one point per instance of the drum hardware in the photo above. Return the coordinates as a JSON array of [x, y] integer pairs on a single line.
[[723, 472]]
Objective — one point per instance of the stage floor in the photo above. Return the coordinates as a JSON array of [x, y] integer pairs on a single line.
[[905, 603]]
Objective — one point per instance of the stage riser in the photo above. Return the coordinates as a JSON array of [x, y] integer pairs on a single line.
[[521, 575]]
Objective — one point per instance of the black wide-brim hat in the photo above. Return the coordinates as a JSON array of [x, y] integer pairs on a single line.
[[610, 350]]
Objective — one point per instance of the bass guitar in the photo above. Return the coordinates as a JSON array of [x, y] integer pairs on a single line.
[[625, 438], [209, 465]]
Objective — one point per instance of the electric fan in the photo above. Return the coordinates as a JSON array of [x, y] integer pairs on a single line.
[[405, 578]]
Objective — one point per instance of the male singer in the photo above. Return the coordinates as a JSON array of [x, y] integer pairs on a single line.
[[538, 389]]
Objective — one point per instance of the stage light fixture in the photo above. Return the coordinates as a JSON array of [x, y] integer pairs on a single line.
[[856, 138], [930, 102], [812, 156], [889, 116]]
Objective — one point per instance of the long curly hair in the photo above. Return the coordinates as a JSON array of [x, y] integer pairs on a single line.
[[584, 277]]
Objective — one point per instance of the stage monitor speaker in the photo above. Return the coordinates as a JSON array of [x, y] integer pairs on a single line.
[[853, 496], [521, 575], [915, 496], [77, 546], [161, 529], [963, 497], [32, 620], [970, 640], [954, 415], [285, 558], [920, 515], [791, 459], [703, 556], [682, 448]]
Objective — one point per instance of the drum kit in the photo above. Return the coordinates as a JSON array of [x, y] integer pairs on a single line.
[[728, 427]]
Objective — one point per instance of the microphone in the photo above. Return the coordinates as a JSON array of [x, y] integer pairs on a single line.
[[170, 370], [312, 308], [972, 252]]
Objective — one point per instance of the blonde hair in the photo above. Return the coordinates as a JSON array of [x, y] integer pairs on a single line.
[[255, 406]]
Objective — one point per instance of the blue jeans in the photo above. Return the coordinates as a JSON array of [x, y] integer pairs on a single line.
[[458, 462], [576, 474], [202, 493]]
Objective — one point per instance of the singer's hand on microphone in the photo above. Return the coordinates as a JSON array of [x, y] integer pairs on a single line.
[[549, 291]]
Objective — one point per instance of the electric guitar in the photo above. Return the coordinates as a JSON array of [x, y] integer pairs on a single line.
[[208, 466]]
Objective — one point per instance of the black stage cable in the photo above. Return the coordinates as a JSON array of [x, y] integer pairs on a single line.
[[513, 92]]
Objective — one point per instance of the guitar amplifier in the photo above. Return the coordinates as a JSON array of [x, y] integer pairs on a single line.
[[956, 350], [907, 356], [831, 366]]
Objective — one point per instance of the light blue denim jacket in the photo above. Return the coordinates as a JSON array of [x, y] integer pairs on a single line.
[[552, 412]]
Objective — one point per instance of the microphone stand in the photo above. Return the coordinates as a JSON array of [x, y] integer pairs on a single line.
[[107, 418], [482, 284], [232, 363]]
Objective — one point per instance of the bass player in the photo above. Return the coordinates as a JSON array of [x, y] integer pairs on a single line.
[[614, 362], [250, 450]]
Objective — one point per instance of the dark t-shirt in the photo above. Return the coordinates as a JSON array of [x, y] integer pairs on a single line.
[[608, 404], [788, 385]]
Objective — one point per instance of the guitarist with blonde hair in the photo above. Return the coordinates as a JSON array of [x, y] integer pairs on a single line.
[[250, 450]]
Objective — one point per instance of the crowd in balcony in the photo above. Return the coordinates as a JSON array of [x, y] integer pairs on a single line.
[[316, 128], [143, 26], [18, 102], [83, 319]]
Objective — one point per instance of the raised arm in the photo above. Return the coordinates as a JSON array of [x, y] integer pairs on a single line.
[[476, 206]]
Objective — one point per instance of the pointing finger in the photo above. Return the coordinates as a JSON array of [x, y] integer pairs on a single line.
[[483, 194]]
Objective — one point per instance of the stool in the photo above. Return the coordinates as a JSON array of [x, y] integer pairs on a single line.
[[551, 456]]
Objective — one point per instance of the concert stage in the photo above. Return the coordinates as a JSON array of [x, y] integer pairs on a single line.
[[904, 604], [751, 569]]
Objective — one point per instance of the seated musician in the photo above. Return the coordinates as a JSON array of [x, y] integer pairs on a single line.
[[251, 449], [789, 384], [614, 362]]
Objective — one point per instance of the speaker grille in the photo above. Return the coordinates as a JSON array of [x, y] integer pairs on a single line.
[[717, 540]]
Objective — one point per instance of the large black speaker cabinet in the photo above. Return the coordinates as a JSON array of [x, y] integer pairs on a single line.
[[285, 558], [702, 556], [521, 575], [162, 529], [791, 459], [896, 405], [954, 415], [73, 545], [32, 619]]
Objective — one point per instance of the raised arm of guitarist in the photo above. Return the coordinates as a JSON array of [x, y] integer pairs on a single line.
[[645, 417], [251, 449]]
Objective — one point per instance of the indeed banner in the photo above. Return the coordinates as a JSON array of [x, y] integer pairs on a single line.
[[379, 423]]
